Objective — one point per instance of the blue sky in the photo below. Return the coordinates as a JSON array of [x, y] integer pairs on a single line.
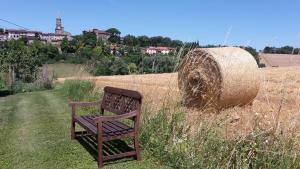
[[233, 22]]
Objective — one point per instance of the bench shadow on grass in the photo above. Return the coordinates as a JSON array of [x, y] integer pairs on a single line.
[[109, 148]]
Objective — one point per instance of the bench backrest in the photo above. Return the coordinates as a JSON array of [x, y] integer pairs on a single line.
[[120, 101]]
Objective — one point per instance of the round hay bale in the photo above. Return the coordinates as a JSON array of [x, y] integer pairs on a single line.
[[218, 77]]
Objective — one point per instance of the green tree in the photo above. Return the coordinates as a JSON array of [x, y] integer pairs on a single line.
[[144, 41], [101, 66], [97, 52], [47, 53], [18, 58], [166, 41], [269, 49], [50, 52], [135, 58], [176, 43], [130, 40], [89, 39], [281, 50], [86, 52], [74, 44], [65, 45], [158, 64], [36, 49], [285, 50], [119, 67], [156, 41], [114, 35]]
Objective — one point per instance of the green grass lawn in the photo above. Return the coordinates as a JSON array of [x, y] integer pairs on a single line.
[[34, 134], [67, 70]]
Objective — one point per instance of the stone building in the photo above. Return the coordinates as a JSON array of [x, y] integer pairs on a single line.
[[101, 35]]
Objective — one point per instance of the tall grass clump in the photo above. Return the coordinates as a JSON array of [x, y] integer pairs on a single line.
[[79, 90], [167, 137], [76, 90]]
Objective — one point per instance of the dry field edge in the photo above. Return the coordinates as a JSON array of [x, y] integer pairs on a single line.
[[279, 91]]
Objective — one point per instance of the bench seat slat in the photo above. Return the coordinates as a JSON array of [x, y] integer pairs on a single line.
[[110, 129], [86, 125], [90, 120]]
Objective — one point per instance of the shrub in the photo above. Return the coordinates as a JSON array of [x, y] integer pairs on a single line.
[[262, 65], [158, 64], [118, 67], [100, 67], [21, 87], [42, 82], [132, 68]]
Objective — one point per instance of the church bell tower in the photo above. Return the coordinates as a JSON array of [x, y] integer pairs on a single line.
[[59, 29]]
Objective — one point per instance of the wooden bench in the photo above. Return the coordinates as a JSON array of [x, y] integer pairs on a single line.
[[125, 104]]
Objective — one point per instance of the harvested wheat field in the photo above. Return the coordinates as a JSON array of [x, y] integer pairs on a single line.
[[277, 104]]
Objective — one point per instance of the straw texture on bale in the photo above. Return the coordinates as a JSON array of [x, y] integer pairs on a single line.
[[218, 77]]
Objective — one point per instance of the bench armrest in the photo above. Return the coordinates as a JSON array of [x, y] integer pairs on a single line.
[[84, 104], [115, 117], [73, 105]]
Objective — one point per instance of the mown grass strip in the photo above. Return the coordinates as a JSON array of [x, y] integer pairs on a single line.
[[35, 134]]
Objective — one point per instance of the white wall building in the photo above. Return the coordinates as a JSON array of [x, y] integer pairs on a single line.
[[49, 37], [158, 50], [15, 34], [54, 38], [3, 37]]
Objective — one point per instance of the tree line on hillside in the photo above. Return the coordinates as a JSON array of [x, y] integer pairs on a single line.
[[282, 50], [101, 57], [145, 41], [142, 41], [121, 55]]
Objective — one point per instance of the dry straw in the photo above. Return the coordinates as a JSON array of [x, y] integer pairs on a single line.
[[218, 77]]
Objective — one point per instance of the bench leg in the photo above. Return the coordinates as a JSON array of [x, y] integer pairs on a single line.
[[73, 130], [137, 148], [100, 153], [100, 144]]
